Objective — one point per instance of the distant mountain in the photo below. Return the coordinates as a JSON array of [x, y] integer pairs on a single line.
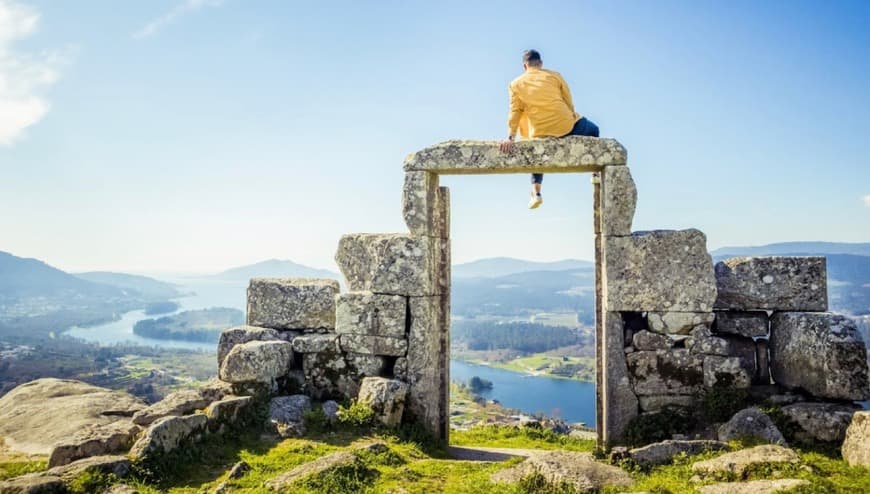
[[147, 287], [504, 266], [795, 248], [23, 278], [274, 268]]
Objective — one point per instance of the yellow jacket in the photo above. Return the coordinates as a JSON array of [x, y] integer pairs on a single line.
[[541, 105]]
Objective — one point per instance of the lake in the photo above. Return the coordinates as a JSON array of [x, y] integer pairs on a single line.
[[573, 401]]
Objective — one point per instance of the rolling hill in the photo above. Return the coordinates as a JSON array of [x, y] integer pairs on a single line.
[[273, 268]]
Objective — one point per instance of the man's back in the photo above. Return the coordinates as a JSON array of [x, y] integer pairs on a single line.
[[543, 97]]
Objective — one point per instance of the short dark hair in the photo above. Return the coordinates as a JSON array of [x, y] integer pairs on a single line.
[[532, 57]]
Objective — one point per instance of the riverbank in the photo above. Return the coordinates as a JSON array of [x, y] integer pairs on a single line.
[[538, 364]]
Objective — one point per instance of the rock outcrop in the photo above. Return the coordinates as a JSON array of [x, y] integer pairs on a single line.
[[751, 423], [386, 397], [856, 446], [579, 470], [738, 463]]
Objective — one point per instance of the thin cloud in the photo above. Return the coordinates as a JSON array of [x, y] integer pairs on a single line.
[[866, 200], [22, 75], [176, 12]]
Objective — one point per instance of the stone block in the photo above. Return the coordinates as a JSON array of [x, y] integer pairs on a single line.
[[362, 365], [178, 403], [772, 283], [386, 397], [392, 264], [314, 343], [292, 303], [646, 340], [425, 205], [257, 362], [678, 322], [287, 415], [367, 313], [327, 376], [374, 345], [167, 434], [701, 341], [618, 200], [566, 154], [229, 411], [820, 422], [725, 371], [426, 368], [662, 270], [656, 403], [663, 452], [762, 359], [751, 422], [819, 352], [243, 334], [620, 403], [666, 372], [856, 446], [748, 324]]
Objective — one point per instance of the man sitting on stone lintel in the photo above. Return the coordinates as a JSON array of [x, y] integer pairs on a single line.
[[541, 106]]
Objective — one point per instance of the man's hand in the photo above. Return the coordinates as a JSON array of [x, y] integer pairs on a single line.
[[506, 145]]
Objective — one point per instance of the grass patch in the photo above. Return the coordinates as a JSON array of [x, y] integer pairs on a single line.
[[504, 436], [9, 469]]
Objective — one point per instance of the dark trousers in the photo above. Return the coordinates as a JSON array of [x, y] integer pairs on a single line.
[[583, 127]]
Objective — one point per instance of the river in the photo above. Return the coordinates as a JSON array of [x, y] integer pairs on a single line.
[[573, 401]]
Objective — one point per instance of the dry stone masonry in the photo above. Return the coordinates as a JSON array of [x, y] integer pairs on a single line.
[[670, 325]]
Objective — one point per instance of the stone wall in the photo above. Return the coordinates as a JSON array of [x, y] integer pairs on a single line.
[[670, 326]]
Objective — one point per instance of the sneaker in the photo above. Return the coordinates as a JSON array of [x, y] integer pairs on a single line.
[[535, 202]]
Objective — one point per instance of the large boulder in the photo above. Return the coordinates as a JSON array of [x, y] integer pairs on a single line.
[[772, 283], [749, 324], [366, 313], [287, 415], [821, 353], [99, 440], [665, 271], [666, 372], [257, 362], [37, 415], [178, 403], [167, 435], [292, 303], [778, 486], [825, 422], [663, 452], [856, 446], [243, 334], [386, 397], [751, 423], [580, 470], [393, 264], [738, 463]]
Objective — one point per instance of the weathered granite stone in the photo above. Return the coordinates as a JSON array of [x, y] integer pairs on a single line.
[[821, 353], [371, 314], [215, 389], [772, 283], [287, 415], [330, 410], [751, 422], [327, 376], [725, 371], [778, 486], [363, 365], [742, 461], [292, 303], [762, 360], [744, 349], [243, 334], [702, 341], [285, 482], [580, 470], [119, 466], [620, 401], [426, 368], [748, 324], [566, 154], [825, 422], [386, 397], [646, 340], [392, 264], [178, 403], [663, 372], [663, 452], [618, 200], [167, 434], [257, 361], [425, 205], [96, 440], [229, 411], [374, 345], [313, 343], [659, 271], [656, 403], [400, 369], [856, 446], [678, 322], [33, 484]]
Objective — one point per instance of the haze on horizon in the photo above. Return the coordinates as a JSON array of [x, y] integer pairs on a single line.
[[200, 135]]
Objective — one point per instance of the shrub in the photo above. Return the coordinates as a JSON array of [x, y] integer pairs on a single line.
[[649, 428], [721, 402], [316, 420], [357, 414]]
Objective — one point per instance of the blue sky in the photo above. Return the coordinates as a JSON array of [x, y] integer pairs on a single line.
[[195, 135]]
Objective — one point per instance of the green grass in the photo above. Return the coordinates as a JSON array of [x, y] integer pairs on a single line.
[[519, 437], [9, 469]]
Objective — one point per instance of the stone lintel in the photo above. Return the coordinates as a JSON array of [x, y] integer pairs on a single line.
[[551, 155]]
